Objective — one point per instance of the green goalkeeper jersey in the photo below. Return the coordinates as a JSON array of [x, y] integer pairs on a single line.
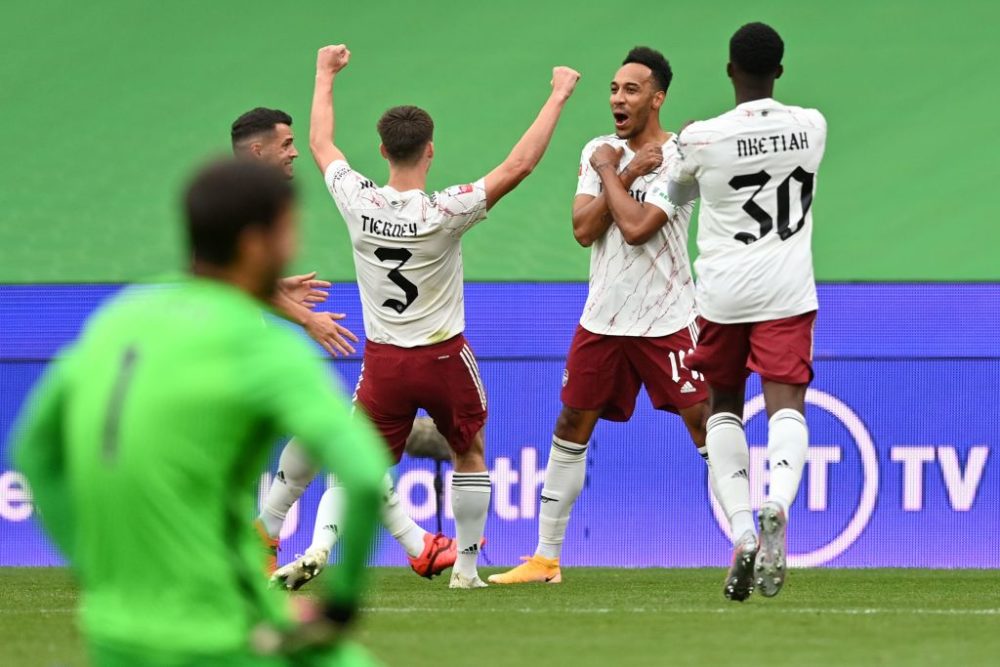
[[143, 445]]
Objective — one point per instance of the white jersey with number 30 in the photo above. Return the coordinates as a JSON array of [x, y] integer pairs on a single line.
[[755, 168], [407, 254]]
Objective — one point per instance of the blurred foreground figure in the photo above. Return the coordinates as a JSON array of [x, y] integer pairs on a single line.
[[176, 388]]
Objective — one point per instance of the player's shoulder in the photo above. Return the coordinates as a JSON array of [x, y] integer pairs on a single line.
[[339, 170], [612, 139], [702, 133], [807, 116], [457, 190]]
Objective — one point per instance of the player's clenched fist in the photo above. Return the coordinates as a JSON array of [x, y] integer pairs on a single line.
[[647, 159], [332, 59], [564, 80], [606, 155]]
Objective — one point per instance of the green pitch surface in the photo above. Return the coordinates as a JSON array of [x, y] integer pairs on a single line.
[[107, 105], [600, 617]]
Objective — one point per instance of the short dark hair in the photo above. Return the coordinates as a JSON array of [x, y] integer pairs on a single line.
[[227, 197], [757, 49], [654, 60], [405, 131], [257, 121]]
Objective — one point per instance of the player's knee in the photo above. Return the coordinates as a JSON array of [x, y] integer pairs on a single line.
[[473, 457], [574, 425], [696, 419]]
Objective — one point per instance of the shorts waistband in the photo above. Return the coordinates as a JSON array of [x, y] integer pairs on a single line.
[[457, 340]]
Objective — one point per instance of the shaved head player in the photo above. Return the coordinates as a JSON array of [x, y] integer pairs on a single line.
[[637, 326]]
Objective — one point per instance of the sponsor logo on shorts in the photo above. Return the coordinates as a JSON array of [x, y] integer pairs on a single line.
[[688, 388], [565, 376]]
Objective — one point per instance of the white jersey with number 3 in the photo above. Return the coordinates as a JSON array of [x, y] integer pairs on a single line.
[[755, 168], [407, 254], [641, 290]]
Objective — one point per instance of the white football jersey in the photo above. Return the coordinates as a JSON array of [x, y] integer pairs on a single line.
[[755, 168], [643, 290], [407, 255]]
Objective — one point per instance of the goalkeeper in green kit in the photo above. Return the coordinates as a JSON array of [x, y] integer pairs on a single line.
[[143, 444]]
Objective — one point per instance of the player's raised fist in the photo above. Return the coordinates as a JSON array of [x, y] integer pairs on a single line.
[[564, 80], [332, 59]]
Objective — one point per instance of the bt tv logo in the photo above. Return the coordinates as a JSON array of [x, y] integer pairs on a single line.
[[841, 480]]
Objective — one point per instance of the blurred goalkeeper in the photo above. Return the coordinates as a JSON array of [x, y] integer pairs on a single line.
[[175, 388]]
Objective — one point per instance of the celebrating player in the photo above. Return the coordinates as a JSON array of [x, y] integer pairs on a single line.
[[176, 388], [755, 168], [266, 135], [637, 324], [407, 252]]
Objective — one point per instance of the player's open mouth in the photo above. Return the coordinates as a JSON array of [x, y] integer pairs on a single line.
[[620, 119]]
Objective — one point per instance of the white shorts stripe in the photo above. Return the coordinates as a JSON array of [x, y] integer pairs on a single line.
[[357, 388], [470, 363]]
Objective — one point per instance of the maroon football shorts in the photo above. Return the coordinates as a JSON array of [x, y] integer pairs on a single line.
[[442, 379], [605, 373], [777, 350]]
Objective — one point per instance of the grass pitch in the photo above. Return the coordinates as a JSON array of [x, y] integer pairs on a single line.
[[613, 617]]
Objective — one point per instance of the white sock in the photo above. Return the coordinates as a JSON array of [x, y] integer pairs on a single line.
[[703, 451], [470, 503], [295, 471], [406, 531], [565, 474], [329, 514], [730, 456], [787, 442]]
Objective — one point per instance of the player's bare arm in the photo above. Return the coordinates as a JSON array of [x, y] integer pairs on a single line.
[[636, 221], [322, 327], [330, 60], [305, 290], [591, 216], [527, 153]]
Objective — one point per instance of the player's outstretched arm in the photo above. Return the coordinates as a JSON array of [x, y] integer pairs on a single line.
[[39, 452], [636, 221], [322, 327], [591, 216], [329, 61], [305, 290], [527, 153]]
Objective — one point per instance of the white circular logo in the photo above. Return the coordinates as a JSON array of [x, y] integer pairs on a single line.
[[869, 490]]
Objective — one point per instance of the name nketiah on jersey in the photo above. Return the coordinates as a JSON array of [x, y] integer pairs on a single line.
[[407, 254], [755, 168], [642, 290]]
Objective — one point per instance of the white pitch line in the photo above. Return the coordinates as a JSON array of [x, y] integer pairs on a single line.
[[717, 610], [628, 610]]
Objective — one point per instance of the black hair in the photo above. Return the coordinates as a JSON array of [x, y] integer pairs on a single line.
[[227, 197], [256, 122], [654, 60], [405, 131], [757, 49]]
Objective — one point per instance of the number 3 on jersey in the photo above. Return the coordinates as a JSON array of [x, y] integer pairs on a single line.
[[401, 255], [763, 218]]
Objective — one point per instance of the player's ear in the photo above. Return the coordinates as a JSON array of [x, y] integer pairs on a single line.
[[779, 72], [729, 70], [382, 151], [429, 151], [659, 98], [256, 148]]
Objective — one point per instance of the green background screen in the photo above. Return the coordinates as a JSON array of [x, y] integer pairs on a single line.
[[107, 106]]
